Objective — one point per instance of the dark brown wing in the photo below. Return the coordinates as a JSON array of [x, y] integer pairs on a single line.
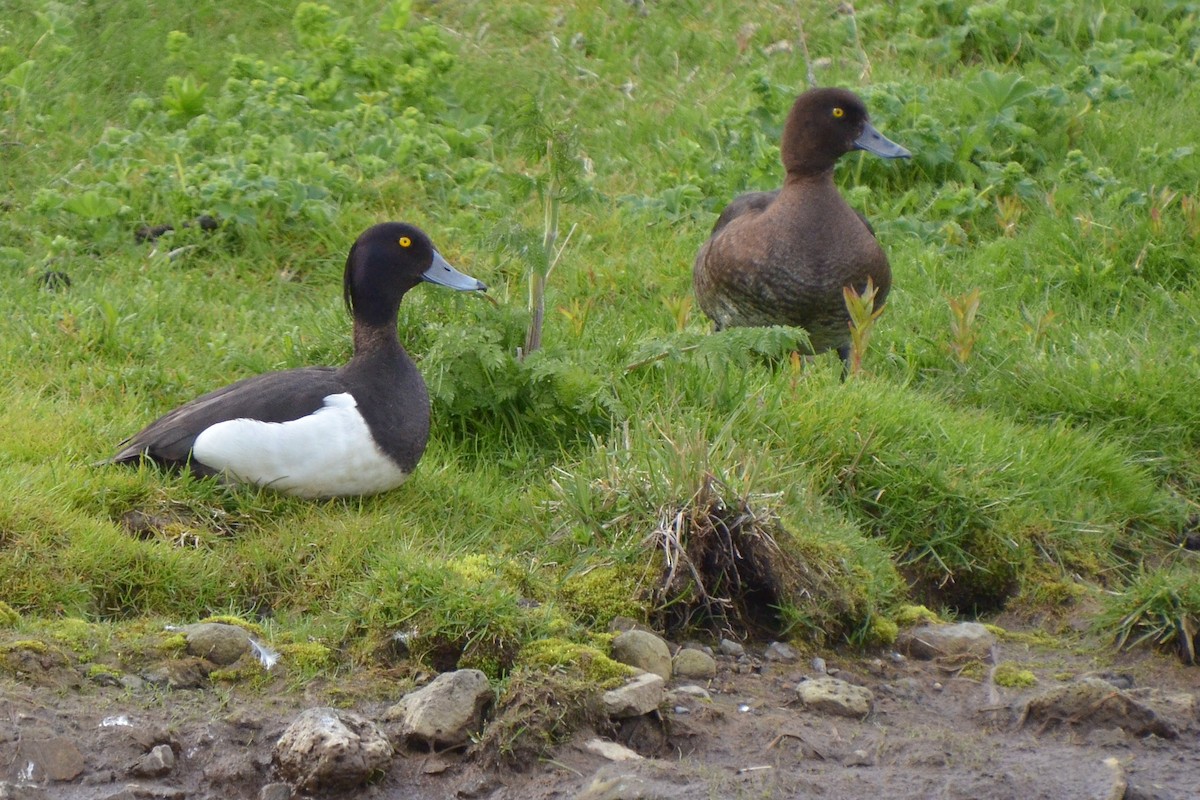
[[271, 397]]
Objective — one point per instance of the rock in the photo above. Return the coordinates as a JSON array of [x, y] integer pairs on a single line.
[[447, 711], [958, 639], [858, 758], [131, 682], [610, 750], [331, 749], [219, 643], [692, 691], [619, 782], [619, 787], [818, 665], [275, 791], [834, 696], [781, 653], [180, 673], [1120, 785], [694, 665], [1121, 680], [21, 791], [158, 762], [1179, 707], [54, 759], [134, 791], [641, 695], [621, 624], [1094, 703], [728, 647], [908, 689], [643, 650]]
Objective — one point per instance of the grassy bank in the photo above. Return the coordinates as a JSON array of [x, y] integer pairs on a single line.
[[1025, 432]]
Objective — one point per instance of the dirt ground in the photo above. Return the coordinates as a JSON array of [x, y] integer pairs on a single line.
[[936, 731]]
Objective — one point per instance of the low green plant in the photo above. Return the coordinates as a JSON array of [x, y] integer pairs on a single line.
[[863, 315], [964, 329], [1013, 676]]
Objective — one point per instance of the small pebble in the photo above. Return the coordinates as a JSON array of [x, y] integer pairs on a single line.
[[781, 651], [682, 710], [937, 686], [729, 647], [818, 665], [744, 708]]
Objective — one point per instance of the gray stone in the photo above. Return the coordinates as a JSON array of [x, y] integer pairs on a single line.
[[818, 665], [1091, 703], [728, 647], [639, 780], [219, 643], [641, 695], [180, 673], [782, 653], [834, 696], [610, 750], [330, 749], [958, 639], [275, 791], [693, 665], [618, 787], [691, 690], [54, 759], [134, 791], [446, 712], [158, 762], [1180, 707], [22, 791], [643, 650], [131, 682]]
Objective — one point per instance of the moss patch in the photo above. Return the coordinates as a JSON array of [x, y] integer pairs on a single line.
[[1011, 676], [598, 595], [307, 657], [250, 627], [907, 616], [594, 667]]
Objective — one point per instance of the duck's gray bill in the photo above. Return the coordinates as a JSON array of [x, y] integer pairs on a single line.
[[441, 273], [875, 142]]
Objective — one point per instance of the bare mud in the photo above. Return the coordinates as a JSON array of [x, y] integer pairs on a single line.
[[937, 730]]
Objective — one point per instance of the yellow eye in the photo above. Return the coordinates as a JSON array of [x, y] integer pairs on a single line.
[[838, 113], [405, 241]]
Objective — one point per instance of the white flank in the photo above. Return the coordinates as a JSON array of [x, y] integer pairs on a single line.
[[326, 454]]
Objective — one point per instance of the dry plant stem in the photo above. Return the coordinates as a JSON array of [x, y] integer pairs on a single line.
[[538, 279], [808, 65], [866, 70]]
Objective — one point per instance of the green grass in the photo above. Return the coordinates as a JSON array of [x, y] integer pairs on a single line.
[[1052, 438]]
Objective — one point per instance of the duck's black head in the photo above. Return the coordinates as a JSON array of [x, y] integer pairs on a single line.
[[385, 262], [824, 125]]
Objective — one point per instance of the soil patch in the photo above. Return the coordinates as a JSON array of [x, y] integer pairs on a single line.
[[935, 731]]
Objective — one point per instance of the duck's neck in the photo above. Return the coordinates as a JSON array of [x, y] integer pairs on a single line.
[[809, 178], [376, 343]]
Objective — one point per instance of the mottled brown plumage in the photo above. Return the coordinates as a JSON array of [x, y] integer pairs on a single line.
[[783, 257]]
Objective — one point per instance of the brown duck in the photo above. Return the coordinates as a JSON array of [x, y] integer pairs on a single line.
[[783, 257]]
